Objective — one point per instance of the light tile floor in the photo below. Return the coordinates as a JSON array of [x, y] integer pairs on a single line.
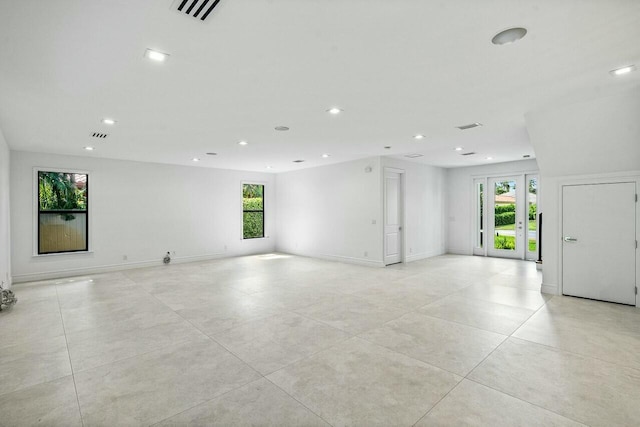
[[282, 340]]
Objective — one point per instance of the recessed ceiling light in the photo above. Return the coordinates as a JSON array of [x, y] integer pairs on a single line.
[[108, 121], [489, 158], [459, 148], [326, 155], [623, 70], [509, 36], [195, 159], [281, 128], [89, 148], [334, 110], [413, 156], [154, 55], [243, 143], [418, 136], [269, 167]]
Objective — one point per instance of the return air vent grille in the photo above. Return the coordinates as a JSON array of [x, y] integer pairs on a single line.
[[470, 153], [469, 126], [199, 9], [413, 156], [99, 135]]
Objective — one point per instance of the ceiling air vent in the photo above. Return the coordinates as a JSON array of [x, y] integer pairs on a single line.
[[413, 156], [469, 126], [99, 135], [199, 9], [470, 153]]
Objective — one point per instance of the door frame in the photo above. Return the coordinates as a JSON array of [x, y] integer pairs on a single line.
[[520, 251], [401, 216], [484, 178], [591, 180], [526, 215]]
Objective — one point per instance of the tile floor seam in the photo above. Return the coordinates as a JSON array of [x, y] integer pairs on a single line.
[[466, 377], [463, 324], [288, 364], [507, 337], [73, 377], [525, 401], [206, 401], [438, 402], [306, 316], [223, 346], [301, 403], [458, 295], [412, 357], [135, 355], [581, 355]]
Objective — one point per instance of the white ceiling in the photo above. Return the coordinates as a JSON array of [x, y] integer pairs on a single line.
[[397, 68]]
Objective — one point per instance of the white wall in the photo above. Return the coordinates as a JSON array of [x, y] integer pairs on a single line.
[[425, 209], [587, 142], [327, 212], [5, 245], [461, 199], [141, 210]]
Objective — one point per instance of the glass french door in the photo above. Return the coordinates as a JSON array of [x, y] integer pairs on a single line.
[[507, 217], [532, 183]]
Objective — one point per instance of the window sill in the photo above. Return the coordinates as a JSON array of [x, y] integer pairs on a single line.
[[62, 254]]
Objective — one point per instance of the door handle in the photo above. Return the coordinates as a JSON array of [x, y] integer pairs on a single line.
[[570, 239]]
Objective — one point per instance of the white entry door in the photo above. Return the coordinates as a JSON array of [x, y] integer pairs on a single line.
[[392, 217], [506, 223], [599, 241]]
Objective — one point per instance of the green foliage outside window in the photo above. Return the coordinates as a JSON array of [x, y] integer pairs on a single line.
[[58, 191], [253, 211]]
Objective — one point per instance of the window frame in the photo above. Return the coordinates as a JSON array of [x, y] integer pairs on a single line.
[[36, 213], [264, 209]]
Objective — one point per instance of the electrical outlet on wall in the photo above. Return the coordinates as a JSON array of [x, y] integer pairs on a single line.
[[366, 254], [410, 250], [225, 248], [125, 257]]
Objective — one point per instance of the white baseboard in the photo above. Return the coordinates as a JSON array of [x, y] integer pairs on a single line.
[[549, 289], [338, 258], [351, 260], [70, 272], [424, 255], [459, 251]]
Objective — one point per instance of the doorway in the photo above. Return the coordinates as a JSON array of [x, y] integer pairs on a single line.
[[506, 216], [599, 241], [506, 222], [393, 216]]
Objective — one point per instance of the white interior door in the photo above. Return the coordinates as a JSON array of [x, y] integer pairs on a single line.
[[506, 219], [392, 217], [599, 241]]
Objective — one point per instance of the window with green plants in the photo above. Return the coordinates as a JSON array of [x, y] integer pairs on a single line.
[[252, 211], [63, 202]]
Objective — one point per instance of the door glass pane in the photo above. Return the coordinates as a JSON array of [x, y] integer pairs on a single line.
[[480, 216], [532, 200], [505, 215]]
